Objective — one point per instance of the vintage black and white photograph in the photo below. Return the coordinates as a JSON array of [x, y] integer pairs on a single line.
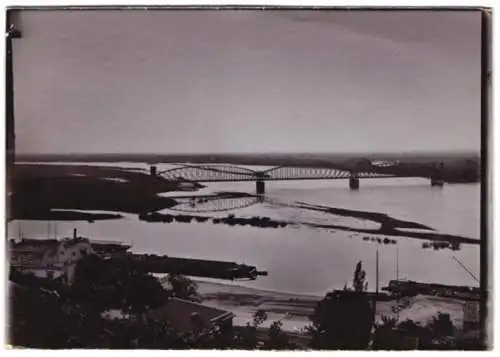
[[247, 179]]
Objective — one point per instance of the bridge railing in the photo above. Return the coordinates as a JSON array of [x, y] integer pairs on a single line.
[[234, 173]]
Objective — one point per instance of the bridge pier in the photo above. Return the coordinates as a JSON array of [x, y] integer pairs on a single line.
[[260, 187], [437, 176], [354, 182], [153, 170], [436, 182]]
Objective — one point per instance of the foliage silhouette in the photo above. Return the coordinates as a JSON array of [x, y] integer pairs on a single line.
[[441, 325], [344, 319], [183, 288], [100, 285], [46, 314]]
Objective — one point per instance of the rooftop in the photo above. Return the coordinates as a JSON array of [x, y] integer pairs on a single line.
[[46, 243], [109, 242], [68, 242], [35, 243], [179, 314]]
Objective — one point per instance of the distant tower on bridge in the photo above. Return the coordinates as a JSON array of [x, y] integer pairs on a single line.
[[153, 170]]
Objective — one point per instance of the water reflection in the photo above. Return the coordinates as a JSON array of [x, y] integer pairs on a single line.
[[200, 204], [305, 258], [383, 225]]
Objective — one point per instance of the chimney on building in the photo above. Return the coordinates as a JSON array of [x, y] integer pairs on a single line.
[[74, 233]]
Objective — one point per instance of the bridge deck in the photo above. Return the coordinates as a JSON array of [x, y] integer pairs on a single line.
[[291, 178], [228, 173]]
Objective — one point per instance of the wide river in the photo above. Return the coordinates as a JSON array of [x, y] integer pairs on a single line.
[[302, 259]]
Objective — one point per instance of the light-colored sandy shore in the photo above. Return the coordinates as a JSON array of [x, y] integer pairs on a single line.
[[294, 310], [291, 309]]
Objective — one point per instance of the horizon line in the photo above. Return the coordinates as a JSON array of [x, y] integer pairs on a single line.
[[464, 151]]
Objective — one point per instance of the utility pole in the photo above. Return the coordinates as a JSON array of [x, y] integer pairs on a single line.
[[377, 274], [376, 280], [397, 279], [397, 263], [11, 33]]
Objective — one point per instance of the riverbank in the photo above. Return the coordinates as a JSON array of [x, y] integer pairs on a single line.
[[294, 309], [38, 190], [43, 191], [437, 240]]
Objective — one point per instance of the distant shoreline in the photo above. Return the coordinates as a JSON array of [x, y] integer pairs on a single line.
[[135, 156], [272, 159], [458, 167]]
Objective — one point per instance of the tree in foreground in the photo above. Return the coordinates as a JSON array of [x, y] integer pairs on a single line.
[[409, 334], [101, 284], [46, 314], [344, 319], [41, 319], [183, 288], [252, 337], [247, 337], [441, 325], [277, 338]]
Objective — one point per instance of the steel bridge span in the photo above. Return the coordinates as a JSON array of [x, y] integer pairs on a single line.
[[230, 173]]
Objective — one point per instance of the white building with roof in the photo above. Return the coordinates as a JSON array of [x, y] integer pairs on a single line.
[[51, 258]]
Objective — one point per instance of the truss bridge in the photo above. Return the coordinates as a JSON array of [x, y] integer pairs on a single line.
[[230, 173]]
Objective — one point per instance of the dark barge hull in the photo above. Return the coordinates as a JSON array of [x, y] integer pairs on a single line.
[[190, 267], [412, 288]]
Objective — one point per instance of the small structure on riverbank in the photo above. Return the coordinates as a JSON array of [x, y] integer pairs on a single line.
[[412, 288], [49, 258], [57, 258], [471, 316], [38, 257]]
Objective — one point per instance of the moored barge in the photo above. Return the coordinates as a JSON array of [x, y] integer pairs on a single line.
[[190, 267]]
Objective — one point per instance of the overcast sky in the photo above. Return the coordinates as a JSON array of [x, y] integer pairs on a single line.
[[241, 81]]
